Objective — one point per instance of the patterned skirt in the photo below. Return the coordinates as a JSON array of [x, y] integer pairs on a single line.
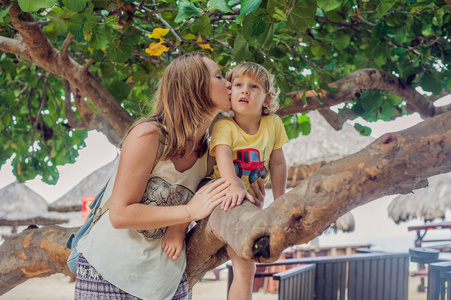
[[90, 285]]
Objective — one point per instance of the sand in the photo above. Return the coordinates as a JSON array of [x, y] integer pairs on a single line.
[[59, 287]]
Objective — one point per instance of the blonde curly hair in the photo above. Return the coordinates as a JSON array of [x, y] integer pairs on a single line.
[[262, 76]]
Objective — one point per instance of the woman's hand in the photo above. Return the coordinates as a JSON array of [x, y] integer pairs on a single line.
[[260, 193], [207, 198]]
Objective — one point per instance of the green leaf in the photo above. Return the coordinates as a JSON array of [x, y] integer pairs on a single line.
[[254, 25], [299, 12], [431, 84], [119, 89], [363, 130], [266, 39], [60, 24], [448, 82], [203, 26], [220, 5], [384, 6], [329, 4], [4, 13], [28, 5], [119, 53], [241, 48], [294, 125], [74, 22], [277, 52], [342, 41], [334, 16], [304, 124], [380, 30], [33, 5], [401, 34], [97, 55], [100, 36], [186, 10], [317, 49], [249, 6], [75, 5]]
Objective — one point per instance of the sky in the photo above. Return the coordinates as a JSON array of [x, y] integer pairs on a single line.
[[99, 152]]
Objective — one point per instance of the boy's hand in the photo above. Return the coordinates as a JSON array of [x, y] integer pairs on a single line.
[[259, 189], [234, 197]]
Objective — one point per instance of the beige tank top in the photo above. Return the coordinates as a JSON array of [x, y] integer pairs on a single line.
[[134, 260]]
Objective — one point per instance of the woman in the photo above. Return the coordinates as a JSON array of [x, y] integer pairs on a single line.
[[122, 257]]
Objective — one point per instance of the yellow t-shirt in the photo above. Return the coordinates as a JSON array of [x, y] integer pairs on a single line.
[[250, 153]]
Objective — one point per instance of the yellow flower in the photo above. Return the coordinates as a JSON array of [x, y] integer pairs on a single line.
[[204, 45], [87, 36], [158, 33], [156, 49]]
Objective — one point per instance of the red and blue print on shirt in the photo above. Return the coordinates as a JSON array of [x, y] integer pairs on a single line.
[[248, 163]]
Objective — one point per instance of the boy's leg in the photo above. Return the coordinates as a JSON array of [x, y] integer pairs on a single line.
[[243, 277], [173, 238]]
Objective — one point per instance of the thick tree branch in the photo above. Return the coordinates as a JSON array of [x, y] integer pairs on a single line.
[[33, 253], [14, 46], [334, 119], [41, 53], [393, 164], [90, 119], [352, 86]]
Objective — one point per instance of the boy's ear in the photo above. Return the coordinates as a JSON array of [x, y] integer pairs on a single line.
[[267, 101]]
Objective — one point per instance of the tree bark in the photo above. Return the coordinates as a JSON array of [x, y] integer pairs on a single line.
[[395, 163]]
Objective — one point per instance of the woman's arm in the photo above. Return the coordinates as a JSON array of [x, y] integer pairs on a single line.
[[278, 172], [137, 158]]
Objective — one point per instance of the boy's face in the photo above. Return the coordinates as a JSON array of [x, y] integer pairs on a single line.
[[248, 96]]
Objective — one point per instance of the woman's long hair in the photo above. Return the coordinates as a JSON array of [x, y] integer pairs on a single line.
[[182, 101]]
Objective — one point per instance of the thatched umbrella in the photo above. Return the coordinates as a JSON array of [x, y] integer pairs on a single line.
[[429, 203], [88, 186], [345, 223], [21, 206]]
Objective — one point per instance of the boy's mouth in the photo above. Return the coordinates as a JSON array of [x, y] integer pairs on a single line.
[[243, 100]]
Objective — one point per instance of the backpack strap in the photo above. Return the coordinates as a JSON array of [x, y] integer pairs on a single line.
[[102, 210]]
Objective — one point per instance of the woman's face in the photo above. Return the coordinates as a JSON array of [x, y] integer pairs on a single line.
[[219, 87]]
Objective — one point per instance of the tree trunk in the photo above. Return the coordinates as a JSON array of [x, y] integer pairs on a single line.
[[395, 163]]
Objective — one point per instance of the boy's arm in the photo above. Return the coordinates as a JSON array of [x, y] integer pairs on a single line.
[[237, 192], [278, 172]]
